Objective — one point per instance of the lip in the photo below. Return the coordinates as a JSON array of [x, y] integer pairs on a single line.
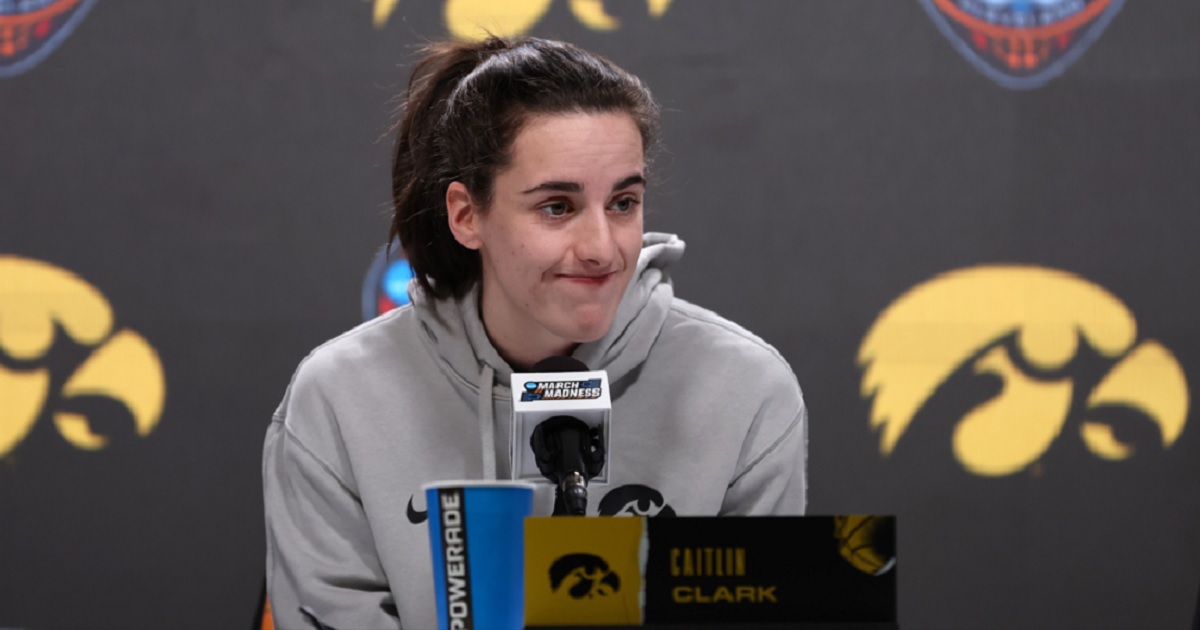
[[591, 280]]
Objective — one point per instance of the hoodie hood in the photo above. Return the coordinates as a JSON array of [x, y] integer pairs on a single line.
[[455, 333]]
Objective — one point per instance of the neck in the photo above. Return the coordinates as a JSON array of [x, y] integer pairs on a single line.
[[522, 351], [524, 355], [526, 363]]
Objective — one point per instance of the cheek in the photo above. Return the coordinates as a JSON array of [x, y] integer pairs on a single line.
[[527, 262], [631, 241], [511, 252]]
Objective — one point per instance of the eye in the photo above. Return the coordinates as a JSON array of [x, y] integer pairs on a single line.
[[555, 209], [625, 205]]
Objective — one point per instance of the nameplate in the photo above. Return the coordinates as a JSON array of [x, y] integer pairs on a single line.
[[701, 571]]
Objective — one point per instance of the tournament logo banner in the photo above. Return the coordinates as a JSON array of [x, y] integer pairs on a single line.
[[1022, 44], [31, 29]]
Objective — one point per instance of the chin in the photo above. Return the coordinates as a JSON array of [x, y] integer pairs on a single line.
[[584, 331], [588, 335], [585, 323]]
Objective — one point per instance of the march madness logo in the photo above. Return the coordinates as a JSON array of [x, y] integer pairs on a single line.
[[1055, 361], [31, 29], [49, 317], [475, 19], [386, 284], [1022, 44], [561, 390]]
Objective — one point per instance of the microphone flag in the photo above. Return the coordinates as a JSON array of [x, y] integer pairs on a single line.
[[539, 396]]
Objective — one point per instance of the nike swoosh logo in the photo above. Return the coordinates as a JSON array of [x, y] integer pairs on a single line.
[[415, 517]]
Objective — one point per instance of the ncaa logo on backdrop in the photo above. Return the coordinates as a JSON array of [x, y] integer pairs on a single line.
[[386, 284], [1066, 354], [46, 313], [31, 29], [474, 19], [1022, 44]]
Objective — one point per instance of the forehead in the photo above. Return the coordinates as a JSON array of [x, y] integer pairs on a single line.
[[576, 147]]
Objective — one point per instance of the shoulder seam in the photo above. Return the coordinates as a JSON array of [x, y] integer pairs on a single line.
[[280, 414], [796, 420], [378, 321], [295, 439], [732, 329]]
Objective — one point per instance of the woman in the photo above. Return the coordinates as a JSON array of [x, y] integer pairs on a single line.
[[519, 176]]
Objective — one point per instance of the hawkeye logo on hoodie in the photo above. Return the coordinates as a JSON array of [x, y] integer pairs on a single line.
[[562, 390]]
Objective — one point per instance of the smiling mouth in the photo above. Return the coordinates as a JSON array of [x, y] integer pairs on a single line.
[[588, 279]]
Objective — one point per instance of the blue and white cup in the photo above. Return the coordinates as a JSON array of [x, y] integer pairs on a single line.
[[477, 539]]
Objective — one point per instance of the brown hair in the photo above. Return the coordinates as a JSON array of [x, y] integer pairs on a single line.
[[464, 106]]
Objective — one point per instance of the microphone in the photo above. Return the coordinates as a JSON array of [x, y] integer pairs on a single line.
[[562, 411]]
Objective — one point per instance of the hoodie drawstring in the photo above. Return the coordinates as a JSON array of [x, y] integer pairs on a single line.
[[487, 424]]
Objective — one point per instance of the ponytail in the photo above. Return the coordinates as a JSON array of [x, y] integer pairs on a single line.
[[421, 172]]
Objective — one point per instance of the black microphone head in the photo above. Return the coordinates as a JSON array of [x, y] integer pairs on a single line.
[[560, 364]]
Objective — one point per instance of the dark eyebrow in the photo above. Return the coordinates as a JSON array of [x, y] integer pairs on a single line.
[[556, 186], [574, 187], [629, 181]]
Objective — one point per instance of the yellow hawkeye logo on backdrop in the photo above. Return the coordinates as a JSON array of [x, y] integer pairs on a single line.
[[970, 318], [474, 19], [38, 299]]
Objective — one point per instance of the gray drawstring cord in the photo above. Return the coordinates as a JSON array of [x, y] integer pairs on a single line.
[[487, 424]]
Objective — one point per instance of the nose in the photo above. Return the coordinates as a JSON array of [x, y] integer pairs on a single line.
[[593, 239]]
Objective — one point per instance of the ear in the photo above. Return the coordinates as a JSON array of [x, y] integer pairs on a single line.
[[463, 213]]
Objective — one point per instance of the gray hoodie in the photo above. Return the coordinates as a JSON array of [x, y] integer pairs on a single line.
[[707, 419]]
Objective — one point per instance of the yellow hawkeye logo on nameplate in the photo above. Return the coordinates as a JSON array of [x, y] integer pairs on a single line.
[[584, 571]]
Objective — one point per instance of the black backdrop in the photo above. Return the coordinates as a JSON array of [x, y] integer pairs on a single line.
[[216, 171]]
